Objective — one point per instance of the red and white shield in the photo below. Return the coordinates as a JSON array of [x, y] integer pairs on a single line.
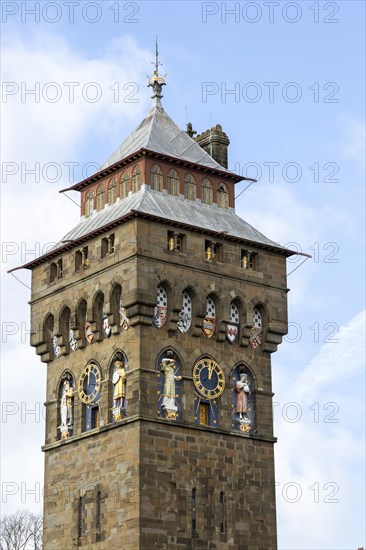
[[160, 316], [209, 325], [255, 339], [232, 333]]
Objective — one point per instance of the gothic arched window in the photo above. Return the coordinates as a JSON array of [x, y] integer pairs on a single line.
[[156, 178], [206, 191], [124, 185], [136, 179], [173, 183], [233, 327], [112, 191], [190, 188], [100, 198], [223, 196], [89, 204], [255, 339]]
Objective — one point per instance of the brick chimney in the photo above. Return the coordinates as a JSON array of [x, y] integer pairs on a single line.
[[215, 142]]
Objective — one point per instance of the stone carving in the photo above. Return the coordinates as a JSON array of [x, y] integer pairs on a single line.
[[55, 347], [106, 326], [243, 401], [233, 328], [88, 332], [255, 338], [119, 390], [209, 322], [67, 408], [161, 308], [72, 340], [185, 315], [124, 322], [169, 366]]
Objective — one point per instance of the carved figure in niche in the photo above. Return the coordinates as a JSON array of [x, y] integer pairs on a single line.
[[119, 389], [168, 366], [124, 322], [106, 327], [89, 333], [66, 408], [56, 348], [72, 340], [242, 392]]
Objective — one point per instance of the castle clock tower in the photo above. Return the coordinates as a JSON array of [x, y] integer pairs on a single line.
[[156, 317]]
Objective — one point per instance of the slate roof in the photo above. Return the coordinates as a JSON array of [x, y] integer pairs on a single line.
[[159, 133], [161, 206]]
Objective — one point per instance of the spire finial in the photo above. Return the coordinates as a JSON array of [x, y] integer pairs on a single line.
[[157, 82]]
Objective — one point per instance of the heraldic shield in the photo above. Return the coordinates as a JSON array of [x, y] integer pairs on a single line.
[[232, 333], [209, 325], [255, 339], [160, 316]]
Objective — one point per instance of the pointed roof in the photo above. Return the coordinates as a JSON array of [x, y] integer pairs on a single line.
[[159, 133]]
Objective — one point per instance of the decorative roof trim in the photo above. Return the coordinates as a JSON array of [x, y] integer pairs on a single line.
[[146, 152]]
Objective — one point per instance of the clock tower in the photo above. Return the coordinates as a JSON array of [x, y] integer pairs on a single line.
[[156, 317]]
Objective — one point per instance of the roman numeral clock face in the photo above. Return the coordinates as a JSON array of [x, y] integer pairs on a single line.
[[89, 384], [208, 378]]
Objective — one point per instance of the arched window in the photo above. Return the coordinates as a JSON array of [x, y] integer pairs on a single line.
[[222, 513], [112, 191], [185, 315], [81, 322], [101, 320], [173, 183], [65, 328], [100, 198], [233, 328], [194, 510], [206, 191], [161, 308], [89, 204], [136, 179], [255, 339], [156, 178], [190, 188], [124, 185], [48, 336], [223, 196]]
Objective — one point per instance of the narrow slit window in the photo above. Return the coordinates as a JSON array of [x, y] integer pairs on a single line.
[[222, 513], [194, 510]]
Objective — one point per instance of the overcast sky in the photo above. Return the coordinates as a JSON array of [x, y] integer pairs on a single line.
[[286, 82]]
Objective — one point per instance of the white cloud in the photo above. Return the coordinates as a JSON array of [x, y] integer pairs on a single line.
[[319, 458]]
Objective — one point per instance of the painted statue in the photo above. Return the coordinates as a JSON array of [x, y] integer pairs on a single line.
[[89, 333], [119, 389], [242, 392], [106, 326], [72, 340], [56, 348], [168, 366], [66, 409], [124, 322]]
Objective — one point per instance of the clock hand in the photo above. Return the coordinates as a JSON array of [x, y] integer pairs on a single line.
[[210, 369]]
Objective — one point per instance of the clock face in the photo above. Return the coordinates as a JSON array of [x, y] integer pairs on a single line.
[[208, 378], [89, 384]]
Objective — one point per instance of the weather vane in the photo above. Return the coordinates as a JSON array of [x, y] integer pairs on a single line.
[[157, 82]]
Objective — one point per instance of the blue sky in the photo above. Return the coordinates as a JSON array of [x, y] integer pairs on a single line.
[[296, 112]]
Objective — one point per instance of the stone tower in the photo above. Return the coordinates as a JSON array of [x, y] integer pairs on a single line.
[[157, 316]]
